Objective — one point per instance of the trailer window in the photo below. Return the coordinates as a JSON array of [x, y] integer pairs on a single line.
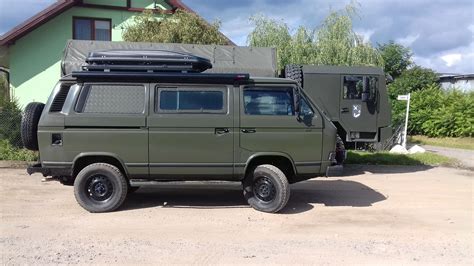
[[353, 87]]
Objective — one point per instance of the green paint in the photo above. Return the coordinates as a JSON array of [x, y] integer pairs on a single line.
[[107, 2], [34, 60]]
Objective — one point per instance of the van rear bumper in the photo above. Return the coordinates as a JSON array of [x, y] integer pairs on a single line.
[[48, 171]]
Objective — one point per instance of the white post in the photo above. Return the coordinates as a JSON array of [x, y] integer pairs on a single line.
[[406, 123]]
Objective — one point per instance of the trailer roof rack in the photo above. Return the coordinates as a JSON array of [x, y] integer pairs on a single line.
[[145, 61]]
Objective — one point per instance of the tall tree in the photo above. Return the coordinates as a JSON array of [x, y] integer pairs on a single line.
[[272, 33], [334, 43], [397, 58], [181, 27], [413, 79]]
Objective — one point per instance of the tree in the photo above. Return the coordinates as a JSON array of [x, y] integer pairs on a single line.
[[397, 58], [413, 79], [335, 43], [3, 89], [181, 27], [338, 44]]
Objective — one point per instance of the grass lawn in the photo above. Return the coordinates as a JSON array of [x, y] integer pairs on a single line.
[[385, 158], [460, 143]]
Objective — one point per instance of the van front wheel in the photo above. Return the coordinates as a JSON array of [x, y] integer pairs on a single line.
[[266, 189]]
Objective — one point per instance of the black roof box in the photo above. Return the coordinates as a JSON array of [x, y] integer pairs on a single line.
[[145, 60]]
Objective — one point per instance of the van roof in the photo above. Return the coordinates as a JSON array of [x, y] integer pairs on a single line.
[[172, 77]]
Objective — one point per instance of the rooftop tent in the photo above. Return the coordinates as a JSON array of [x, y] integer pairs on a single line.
[[224, 59]]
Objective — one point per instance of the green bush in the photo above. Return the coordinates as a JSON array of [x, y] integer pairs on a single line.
[[8, 152], [10, 121], [454, 116], [435, 112]]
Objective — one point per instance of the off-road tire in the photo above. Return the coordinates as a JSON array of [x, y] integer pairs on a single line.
[[29, 125], [295, 72], [279, 181], [118, 183], [340, 150]]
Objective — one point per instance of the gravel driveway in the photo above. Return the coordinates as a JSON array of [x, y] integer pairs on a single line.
[[396, 215]]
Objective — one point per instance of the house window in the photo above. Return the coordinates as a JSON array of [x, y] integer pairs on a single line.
[[92, 29]]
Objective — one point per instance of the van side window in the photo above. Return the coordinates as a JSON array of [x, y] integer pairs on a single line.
[[266, 101], [190, 100], [353, 87], [112, 99]]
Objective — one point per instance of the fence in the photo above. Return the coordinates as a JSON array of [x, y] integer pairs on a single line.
[[10, 120]]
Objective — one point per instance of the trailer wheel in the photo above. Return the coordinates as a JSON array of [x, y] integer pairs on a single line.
[[29, 125], [295, 72]]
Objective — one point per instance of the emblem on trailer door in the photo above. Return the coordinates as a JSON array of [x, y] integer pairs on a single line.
[[356, 110]]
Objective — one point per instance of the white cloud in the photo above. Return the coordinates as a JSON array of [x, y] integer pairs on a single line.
[[451, 59], [365, 33], [408, 40]]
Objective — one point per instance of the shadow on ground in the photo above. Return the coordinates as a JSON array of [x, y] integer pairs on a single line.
[[304, 195]]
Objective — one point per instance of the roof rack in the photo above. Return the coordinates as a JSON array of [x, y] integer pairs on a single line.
[[145, 61], [164, 77]]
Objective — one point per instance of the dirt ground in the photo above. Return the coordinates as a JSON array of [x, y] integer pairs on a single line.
[[396, 215]]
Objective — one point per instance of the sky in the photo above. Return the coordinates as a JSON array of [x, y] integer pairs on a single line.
[[439, 32]]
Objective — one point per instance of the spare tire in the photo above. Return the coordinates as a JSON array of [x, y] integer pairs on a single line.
[[29, 125], [295, 72]]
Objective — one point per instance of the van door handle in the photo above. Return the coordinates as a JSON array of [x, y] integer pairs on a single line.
[[345, 110], [249, 130], [221, 131]]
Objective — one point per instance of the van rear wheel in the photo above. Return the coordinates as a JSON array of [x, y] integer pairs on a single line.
[[266, 189], [100, 187]]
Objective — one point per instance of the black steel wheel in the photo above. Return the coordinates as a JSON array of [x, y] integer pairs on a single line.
[[266, 188], [100, 187]]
